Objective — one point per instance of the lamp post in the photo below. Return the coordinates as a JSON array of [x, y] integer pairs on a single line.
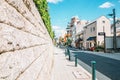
[[114, 29]]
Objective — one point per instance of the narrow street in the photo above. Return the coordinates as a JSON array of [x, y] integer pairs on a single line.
[[106, 68]]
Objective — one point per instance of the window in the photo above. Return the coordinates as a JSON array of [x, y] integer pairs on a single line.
[[103, 21], [90, 44], [93, 28]]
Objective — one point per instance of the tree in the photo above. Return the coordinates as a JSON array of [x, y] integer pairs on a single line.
[[69, 41]]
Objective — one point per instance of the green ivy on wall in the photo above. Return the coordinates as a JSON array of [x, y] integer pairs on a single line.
[[42, 7]]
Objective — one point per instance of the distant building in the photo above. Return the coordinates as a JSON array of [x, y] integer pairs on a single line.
[[63, 33], [71, 29], [79, 33], [117, 28], [85, 34], [91, 30], [68, 30]]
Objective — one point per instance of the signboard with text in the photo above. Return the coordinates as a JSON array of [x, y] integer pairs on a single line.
[[101, 33]]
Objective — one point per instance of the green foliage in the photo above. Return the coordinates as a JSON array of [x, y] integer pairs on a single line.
[[68, 42], [42, 7], [99, 48]]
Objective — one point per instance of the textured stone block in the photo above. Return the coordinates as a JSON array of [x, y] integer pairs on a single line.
[[26, 50]]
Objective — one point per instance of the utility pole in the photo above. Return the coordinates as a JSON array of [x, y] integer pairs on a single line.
[[104, 39], [114, 26], [114, 30]]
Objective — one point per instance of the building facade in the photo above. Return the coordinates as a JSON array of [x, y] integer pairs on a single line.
[[84, 34], [117, 28], [72, 28], [79, 33], [91, 30]]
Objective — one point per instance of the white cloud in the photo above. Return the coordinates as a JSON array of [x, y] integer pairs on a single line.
[[111, 19], [55, 27], [58, 30], [106, 5], [54, 1]]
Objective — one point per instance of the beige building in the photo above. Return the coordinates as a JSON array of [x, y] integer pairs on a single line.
[[77, 28], [79, 32], [85, 34], [117, 28], [91, 30], [71, 28]]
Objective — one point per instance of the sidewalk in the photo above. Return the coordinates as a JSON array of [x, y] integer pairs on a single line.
[[65, 70]]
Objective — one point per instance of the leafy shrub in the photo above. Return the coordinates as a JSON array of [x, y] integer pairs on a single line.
[[99, 48], [42, 7]]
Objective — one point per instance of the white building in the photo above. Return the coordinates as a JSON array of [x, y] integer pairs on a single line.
[[117, 28], [73, 24], [91, 30], [76, 27], [80, 25], [63, 33], [85, 34], [79, 33]]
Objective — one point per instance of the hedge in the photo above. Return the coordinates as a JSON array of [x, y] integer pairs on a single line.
[[42, 7]]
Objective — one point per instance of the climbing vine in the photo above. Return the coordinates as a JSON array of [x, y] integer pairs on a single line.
[[42, 7]]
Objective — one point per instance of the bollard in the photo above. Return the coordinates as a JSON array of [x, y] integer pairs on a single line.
[[76, 60], [69, 55], [93, 70], [68, 52], [65, 52]]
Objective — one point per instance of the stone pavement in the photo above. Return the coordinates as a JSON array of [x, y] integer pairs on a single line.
[[65, 70]]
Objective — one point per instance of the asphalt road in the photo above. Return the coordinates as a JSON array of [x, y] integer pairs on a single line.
[[105, 66]]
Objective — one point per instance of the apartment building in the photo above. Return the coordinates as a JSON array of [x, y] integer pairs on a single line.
[[79, 33], [68, 33], [75, 29], [72, 27], [91, 30], [117, 28], [85, 34]]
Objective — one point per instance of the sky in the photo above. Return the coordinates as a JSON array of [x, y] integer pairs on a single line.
[[61, 11]]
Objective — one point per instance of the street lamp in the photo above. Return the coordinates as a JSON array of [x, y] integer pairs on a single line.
[[114, 29]]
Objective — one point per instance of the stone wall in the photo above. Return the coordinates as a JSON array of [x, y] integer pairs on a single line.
[[26, 51]]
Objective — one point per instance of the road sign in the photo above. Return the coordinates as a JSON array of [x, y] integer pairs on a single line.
[[101, 33]]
